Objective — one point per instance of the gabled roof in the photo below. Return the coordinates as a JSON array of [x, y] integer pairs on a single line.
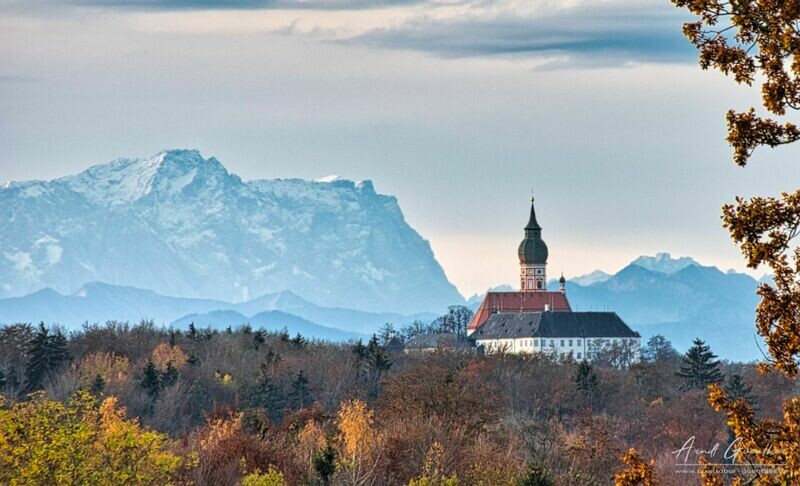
[[517, 302], [506, 325], [439, 340]]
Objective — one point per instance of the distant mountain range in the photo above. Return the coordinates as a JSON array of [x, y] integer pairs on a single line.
[[181, 224], [679, 298], [99, 302]]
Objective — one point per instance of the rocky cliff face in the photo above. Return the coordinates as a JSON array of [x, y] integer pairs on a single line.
[[182, 225]]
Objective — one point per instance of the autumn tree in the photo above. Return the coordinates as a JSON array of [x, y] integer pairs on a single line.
[[360, 443], [699, 367], [85, 442], [760, 41], [455, 321], [637, 472], [659, 349]]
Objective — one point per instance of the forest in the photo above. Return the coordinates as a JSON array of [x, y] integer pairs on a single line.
[[140, 404]]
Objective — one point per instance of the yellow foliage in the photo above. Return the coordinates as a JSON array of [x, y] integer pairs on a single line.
[[360, 442], [771, 445], [445, 481], [164, 354], [46, 442], [273, 477], [111, 367], [356, 427], [432, 469], [310, 440], [221, 430], [637, 473]]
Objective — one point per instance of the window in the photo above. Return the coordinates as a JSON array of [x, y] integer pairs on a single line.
[[579, 342], [539, 284], [562, 342], [570, 342], [579, 355], [552, 343], [535, 342]]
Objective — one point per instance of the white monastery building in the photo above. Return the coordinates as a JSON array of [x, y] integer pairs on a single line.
[[536, 320]]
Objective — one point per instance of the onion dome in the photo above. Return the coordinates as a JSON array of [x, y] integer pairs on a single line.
[[532, 249]]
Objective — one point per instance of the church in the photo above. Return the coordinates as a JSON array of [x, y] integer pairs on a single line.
[[536, 320]]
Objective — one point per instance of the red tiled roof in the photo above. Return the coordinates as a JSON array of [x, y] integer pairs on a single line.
[[517, 302]]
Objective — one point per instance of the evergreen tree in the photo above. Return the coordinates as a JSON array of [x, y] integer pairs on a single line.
[[47, 352], [169, 376], [193, 360], [300, 394], [737, 389], [98, 384], [586, 381], [266, 394], [699, 368], [359, 351], [378, 356], [259, 338], [325, 463], [150, 380], [172, 336], [192, 331], [298, 341]]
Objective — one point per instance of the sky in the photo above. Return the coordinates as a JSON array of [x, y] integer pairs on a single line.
[[460, 108]]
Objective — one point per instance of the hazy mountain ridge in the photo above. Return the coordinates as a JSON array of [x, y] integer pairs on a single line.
[[180, 224], [692, 301], [97, 302], [272, 320]]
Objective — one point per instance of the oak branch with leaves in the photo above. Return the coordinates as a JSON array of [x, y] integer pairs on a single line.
[[760, 40]]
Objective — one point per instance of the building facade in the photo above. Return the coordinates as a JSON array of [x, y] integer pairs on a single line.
[[536, 320]]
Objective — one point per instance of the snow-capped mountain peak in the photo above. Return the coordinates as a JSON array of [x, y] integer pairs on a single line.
[[664, 263], [181, 224], [124, 181]]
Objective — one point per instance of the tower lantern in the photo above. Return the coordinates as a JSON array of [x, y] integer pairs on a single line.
[[533, 257]]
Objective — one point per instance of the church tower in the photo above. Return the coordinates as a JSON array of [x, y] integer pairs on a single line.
[[533, 257]]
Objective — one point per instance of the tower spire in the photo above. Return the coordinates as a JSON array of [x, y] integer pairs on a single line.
[[533, 256], [532, 223]]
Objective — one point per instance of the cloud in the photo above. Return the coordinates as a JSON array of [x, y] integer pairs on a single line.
[[171, 5], [13, 78], [598, 35]]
